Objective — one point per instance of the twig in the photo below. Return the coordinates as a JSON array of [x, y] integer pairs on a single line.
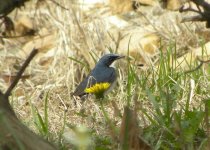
[[192, 18], [182, 9], [199, 66], [196, 68], [30, 33], [203, 61], [56, 3], [202, 3], [204, 15], [19, 74]]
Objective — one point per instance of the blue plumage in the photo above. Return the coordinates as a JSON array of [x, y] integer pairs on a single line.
[[100, 74]]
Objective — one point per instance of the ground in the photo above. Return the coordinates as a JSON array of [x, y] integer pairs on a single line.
[[164, 95]]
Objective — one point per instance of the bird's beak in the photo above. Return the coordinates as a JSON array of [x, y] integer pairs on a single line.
[[119, 57]]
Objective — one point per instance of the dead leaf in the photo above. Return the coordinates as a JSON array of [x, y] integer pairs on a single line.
[[173, 4], [24, 25], [19, 92], [8, 78], [150, 43], [148, 2], [143, 45], [120, 6], [45, 61], [43, 44]]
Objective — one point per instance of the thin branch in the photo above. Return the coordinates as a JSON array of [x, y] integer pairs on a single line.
[[56, 3], [192, 18], [203, 61], [202, 3], [199, 66], [182, 9], [19, 74], [30, 33], [204, 15]]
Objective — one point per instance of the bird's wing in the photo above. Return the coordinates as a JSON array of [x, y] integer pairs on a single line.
[[96, 76], [87, 82]]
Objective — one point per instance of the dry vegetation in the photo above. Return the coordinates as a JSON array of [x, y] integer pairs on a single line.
[[70, 38]]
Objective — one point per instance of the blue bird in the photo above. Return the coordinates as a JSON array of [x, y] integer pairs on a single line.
[[102, 73]]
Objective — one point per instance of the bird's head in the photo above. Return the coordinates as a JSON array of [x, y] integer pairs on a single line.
[[108, 59]]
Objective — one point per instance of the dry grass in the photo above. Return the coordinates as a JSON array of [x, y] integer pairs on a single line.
[[61, 75], [79, 34]]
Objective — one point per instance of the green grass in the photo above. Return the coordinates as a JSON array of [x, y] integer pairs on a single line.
[[174, 104], [173, 122], [41, 122], [175, 119]]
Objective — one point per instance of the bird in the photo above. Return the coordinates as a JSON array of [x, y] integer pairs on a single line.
[[103, 72]]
